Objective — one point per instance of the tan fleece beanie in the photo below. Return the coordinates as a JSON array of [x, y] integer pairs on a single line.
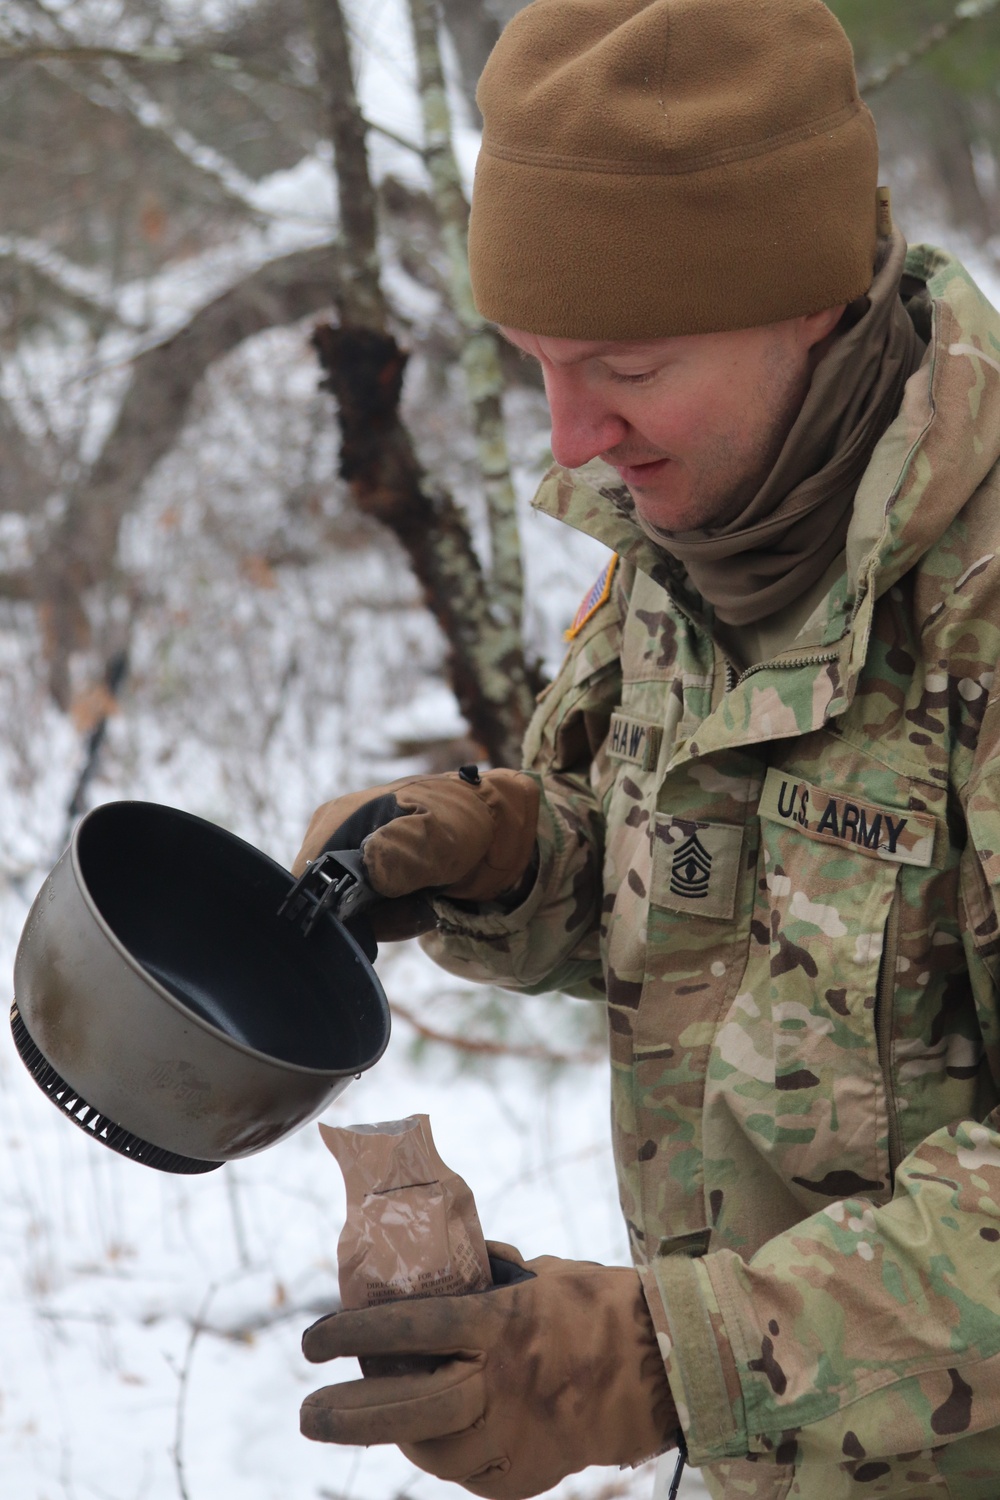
[[662, 167]]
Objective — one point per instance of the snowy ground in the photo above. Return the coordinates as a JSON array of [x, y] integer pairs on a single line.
[[107, 1393]]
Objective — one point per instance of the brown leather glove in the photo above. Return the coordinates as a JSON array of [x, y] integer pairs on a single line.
[[538, 1379], [468, 836]]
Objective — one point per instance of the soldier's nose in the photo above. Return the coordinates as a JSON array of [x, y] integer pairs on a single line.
[[583, 424]]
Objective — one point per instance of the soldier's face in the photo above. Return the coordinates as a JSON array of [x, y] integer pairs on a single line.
[[693, 425]]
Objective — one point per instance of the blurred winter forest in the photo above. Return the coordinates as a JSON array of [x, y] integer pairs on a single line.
[[238, 576]]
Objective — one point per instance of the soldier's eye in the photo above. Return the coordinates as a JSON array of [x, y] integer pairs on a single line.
[[624, 379]]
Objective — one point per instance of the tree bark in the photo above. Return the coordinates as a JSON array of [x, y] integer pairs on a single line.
[[364, 368], [364, 371], [474, 32], [360, 300]]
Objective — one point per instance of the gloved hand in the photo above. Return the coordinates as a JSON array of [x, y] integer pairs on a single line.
[[539, 1378], [468, 836]]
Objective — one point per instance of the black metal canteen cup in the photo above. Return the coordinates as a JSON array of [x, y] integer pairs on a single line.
[[182, 1000]]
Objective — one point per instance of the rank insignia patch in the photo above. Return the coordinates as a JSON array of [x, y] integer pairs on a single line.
[[691, 870], [696, 866], [598, 595]]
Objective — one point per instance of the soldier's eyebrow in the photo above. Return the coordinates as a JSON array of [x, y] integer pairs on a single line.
[[642, 350]]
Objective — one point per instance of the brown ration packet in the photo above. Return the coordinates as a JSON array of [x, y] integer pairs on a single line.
[[412, 1228]]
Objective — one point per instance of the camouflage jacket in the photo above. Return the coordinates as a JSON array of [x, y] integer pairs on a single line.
[[786, 883]]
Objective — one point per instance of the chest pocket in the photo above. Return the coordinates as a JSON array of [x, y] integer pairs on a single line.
[[847, 824], [696, 866], [805, 1029]]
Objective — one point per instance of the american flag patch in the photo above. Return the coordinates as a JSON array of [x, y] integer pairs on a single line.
[[598, 595]]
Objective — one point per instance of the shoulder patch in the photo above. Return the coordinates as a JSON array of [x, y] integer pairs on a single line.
[[594, 598]]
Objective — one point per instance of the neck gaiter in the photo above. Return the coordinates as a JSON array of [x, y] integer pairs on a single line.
[[796, 524]]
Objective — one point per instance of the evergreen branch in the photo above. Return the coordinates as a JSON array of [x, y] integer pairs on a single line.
[[934, 37]]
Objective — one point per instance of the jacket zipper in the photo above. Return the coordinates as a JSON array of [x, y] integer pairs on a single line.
[[883, 1031], [801, 661], [734, 678]]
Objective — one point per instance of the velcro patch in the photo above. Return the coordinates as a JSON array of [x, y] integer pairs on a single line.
[[594, 598], [696, 866], [634, 741], [835, 818]]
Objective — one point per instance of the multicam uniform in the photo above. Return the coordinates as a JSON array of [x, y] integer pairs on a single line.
[[786, 884]]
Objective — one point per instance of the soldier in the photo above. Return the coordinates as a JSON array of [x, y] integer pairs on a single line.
[[759, 810]]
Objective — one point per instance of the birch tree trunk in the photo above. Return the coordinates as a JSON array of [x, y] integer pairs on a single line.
[[480, 355]]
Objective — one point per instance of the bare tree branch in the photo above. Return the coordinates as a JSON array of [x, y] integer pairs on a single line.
[[934, 37], [164, 378], [364, 371], [474, 30], [115, 92], [242, 73], [115, 673], [55, 279], [484, 1047], [222, 62], [25, 479]]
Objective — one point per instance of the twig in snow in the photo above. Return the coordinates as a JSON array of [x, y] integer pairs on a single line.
[[184, 1375]]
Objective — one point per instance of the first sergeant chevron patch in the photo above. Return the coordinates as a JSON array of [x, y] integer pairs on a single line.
[[598, 595]]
